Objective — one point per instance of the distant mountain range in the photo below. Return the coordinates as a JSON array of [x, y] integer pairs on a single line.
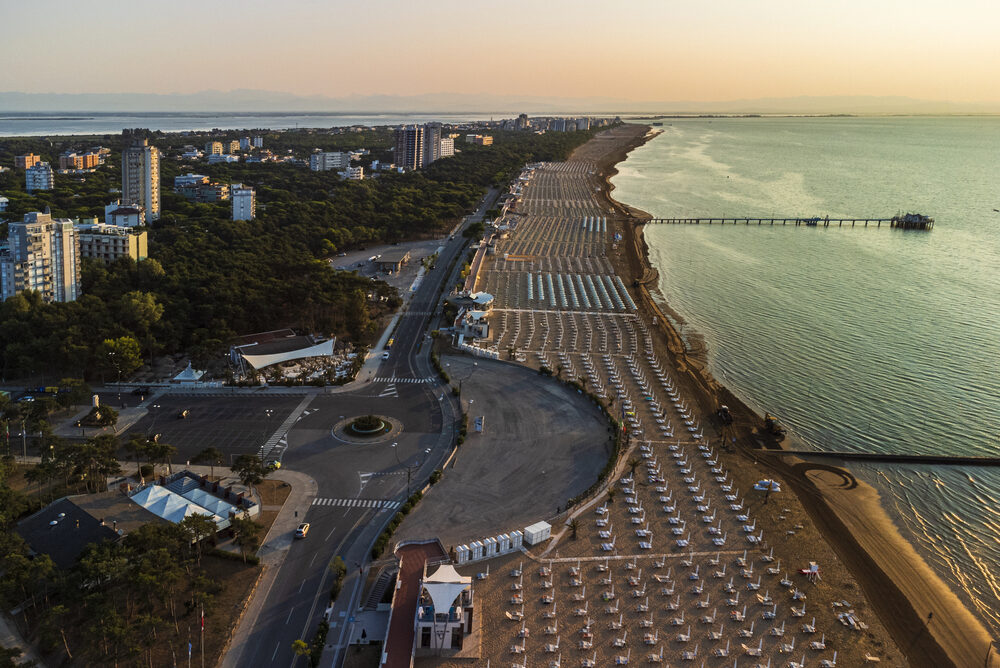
[[260, 101]]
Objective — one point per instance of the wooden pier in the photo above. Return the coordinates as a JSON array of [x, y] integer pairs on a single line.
[[907, 222]]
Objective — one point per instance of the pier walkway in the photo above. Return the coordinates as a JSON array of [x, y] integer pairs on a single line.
[[895, 222], [891, 458]]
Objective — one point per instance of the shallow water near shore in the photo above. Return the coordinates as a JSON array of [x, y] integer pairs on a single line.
[[858, 339]]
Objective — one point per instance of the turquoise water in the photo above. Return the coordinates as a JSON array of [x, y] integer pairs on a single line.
[[858, 339]]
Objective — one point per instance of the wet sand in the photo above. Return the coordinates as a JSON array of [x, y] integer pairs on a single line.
[[900, 587]]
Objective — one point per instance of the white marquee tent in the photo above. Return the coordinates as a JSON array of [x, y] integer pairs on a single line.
[[173, 507]]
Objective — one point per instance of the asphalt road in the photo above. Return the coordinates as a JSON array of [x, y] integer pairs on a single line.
[[359, 485]]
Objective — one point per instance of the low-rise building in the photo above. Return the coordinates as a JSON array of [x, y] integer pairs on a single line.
[[244, 202], [26, 161], [204, 192], [222, 157], [39, 177], [324, 161], [354, 173], [71, 160], [447, 147], [444, 613], [4, 203], [392, 261], [189, 179], [108, 243], [124, 216], [481, 140]]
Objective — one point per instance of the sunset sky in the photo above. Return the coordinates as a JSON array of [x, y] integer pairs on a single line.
[[632, 50]]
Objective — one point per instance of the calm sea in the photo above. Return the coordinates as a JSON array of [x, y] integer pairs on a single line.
[[858, 339], [17, 124]]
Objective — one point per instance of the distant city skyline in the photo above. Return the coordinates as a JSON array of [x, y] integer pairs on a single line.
[[642, 50]]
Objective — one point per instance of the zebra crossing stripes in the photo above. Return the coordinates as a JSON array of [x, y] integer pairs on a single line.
[[381, 504], [393, 379], [389, 391]]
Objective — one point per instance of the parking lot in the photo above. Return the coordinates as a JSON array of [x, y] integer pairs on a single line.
[[235, 425]]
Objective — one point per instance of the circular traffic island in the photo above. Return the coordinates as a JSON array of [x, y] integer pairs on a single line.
[[366, 426], [366, 429]]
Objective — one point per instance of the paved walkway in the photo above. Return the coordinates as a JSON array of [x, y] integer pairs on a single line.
[[10, 637], [272, 553]]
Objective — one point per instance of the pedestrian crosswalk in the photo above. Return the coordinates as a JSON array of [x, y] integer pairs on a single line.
[[385, 504], [389, 391], [393, 379]]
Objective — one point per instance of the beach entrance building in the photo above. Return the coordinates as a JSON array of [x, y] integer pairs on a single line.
[[444, 616]]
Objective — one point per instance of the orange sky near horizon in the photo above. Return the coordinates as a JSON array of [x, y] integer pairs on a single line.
[[640, 50]]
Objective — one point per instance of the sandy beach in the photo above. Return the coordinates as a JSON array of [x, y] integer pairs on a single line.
[[899, 586]]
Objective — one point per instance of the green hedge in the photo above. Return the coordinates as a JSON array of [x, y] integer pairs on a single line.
[[383, 540]]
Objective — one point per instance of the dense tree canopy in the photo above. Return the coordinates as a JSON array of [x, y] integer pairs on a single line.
[[210, 279]]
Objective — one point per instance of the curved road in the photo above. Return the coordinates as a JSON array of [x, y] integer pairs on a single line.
[[358, 487]]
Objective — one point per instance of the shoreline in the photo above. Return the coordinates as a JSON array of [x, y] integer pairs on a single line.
[[898, 584]]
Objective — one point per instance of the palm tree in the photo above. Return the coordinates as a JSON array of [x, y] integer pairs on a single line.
[[574, 526], [611, 494]]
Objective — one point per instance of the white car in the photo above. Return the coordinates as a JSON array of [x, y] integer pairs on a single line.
[[385, 355]]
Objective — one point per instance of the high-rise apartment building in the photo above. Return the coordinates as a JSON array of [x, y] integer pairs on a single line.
[[141, 177], [244, 202], [213, 148], [410, 147], [522, 122], [258, 142], [244, 143], [43, 255], [432, 143], [39, 177], [234, 146]]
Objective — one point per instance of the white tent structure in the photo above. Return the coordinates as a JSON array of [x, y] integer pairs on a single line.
[[174, 507], [210, 502], [189, 375], [260, 361], [444, 586]]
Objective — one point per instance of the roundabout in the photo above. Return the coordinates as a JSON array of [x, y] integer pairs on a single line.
[[364, 429]]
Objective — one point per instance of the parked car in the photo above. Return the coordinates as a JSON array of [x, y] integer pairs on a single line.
[[302, 530], [183, 414]]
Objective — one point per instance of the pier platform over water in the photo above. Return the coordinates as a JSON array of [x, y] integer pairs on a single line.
[[907, 222]]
